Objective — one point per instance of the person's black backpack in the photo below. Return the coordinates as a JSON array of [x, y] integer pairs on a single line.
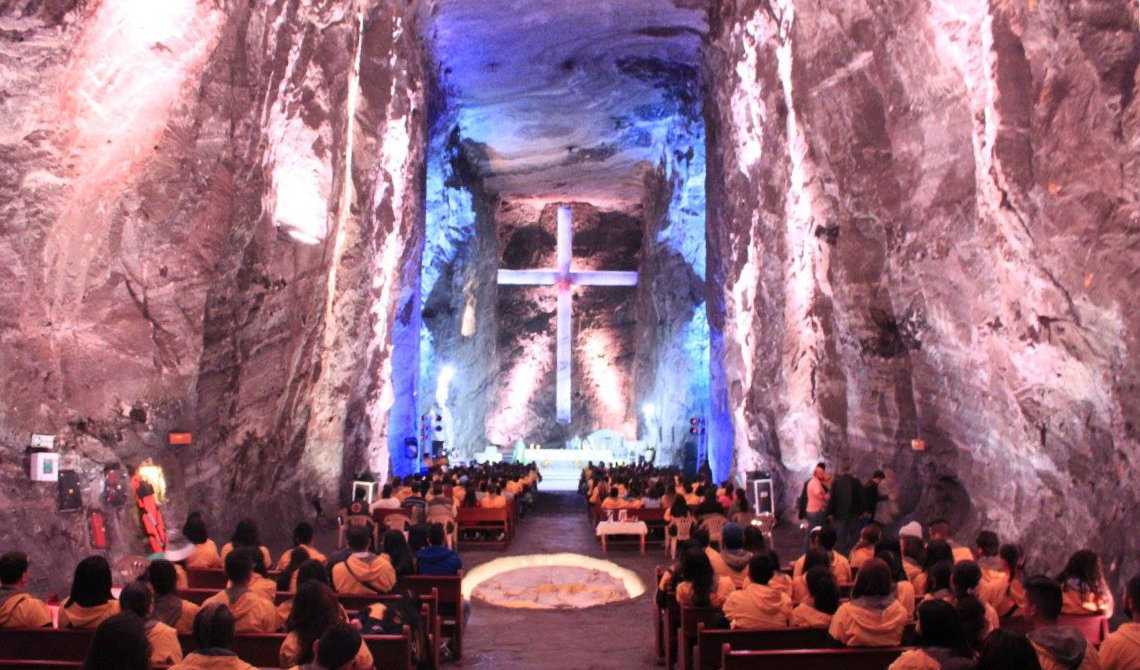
[[396, 615]]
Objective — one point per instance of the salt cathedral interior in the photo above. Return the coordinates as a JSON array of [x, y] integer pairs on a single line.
[[553, 329]]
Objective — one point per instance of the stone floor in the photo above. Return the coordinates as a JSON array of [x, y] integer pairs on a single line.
[[618, 636]]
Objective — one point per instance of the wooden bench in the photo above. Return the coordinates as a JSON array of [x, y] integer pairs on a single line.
[[27, 664], [1094, 625], [868, 658], [692, 620], [391, 652], [352, 604], [658, 624], [711, 641], [479, 520], [448, 592]]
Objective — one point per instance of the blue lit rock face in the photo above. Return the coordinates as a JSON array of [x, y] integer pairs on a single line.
[[587, 103]]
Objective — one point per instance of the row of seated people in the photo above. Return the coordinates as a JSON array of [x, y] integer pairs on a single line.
[[649, 487], [487, 486], [250, 594], [127, 641], [883, 596]]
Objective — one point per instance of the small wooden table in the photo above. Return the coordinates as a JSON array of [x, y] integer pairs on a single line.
[[607, 528]]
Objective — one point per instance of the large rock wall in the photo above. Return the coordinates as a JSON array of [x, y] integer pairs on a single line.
[[925, 228], [185, 247]]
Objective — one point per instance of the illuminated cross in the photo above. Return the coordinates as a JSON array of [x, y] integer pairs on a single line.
[[564, 278]]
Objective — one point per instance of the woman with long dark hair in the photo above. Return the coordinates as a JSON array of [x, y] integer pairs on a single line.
[[315, 610], [246, 536], [873, 617], [937, 551], [943, 642], [287, 580], [205, 556], [699, 585], [1083, 585], [822, 601], [119, 643], [1005, 649], [90, 602], [395, 546]]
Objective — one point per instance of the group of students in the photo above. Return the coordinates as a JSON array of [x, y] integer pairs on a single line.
[[958, 597], [486, 486], [151, 605], [645, 486]]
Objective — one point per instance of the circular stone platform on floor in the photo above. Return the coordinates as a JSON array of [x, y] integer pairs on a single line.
[[551, 582]]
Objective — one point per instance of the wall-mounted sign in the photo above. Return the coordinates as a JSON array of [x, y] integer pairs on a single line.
[[181, 438], [918, 445], [45, 466], [43, 441]]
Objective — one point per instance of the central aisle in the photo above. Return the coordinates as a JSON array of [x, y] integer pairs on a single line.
[[617, 636]]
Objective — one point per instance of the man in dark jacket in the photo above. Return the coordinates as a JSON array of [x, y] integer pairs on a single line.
[[437, 559], [845, 508]]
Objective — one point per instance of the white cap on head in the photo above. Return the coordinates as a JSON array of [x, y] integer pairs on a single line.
[[178, 548], [913, 529]]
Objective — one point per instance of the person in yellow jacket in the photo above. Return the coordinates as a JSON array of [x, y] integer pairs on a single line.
[[252, 613], [1083, 585], [940, 530], [865, 548], [822, 601], [138, 599], [315, 611], [90, 602], [337, 649], [840, 566], [494, 498], [1121, 650], [758, 606], [169, 608], [205, 555], [362, 573], [874, 617], [944, 645], [1001, 585], [701, 587], [1058, 647], [17, 608], [214, 641], [246, 535], [302, 539]]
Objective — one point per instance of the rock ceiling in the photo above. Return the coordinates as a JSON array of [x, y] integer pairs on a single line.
[[564, 100]]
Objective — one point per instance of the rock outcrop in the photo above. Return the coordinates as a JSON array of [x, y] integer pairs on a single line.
[[924, 218], [208, 211]]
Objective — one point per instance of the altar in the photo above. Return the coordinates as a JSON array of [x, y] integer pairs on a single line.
[[562, 468]]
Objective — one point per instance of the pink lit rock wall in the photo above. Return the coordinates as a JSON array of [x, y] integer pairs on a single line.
[[924, 217], [195, 236]]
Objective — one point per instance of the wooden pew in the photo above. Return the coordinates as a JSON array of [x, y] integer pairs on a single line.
[[44, 644], [1094, 625], [389, 652], [429, 599], [710, 641], [867, 658], [209, 579], [692, 619], [27, 664], [449, 598], [484, 520]]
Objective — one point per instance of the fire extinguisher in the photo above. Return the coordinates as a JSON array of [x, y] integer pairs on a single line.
[[98, 530]]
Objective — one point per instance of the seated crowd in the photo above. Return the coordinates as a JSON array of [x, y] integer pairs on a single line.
[[144, 621], [965, 604]]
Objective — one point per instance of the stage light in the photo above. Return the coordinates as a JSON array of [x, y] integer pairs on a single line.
[[649, 409]]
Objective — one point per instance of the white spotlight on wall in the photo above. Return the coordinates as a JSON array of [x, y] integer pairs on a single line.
[[649, 409], [443, 384]]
